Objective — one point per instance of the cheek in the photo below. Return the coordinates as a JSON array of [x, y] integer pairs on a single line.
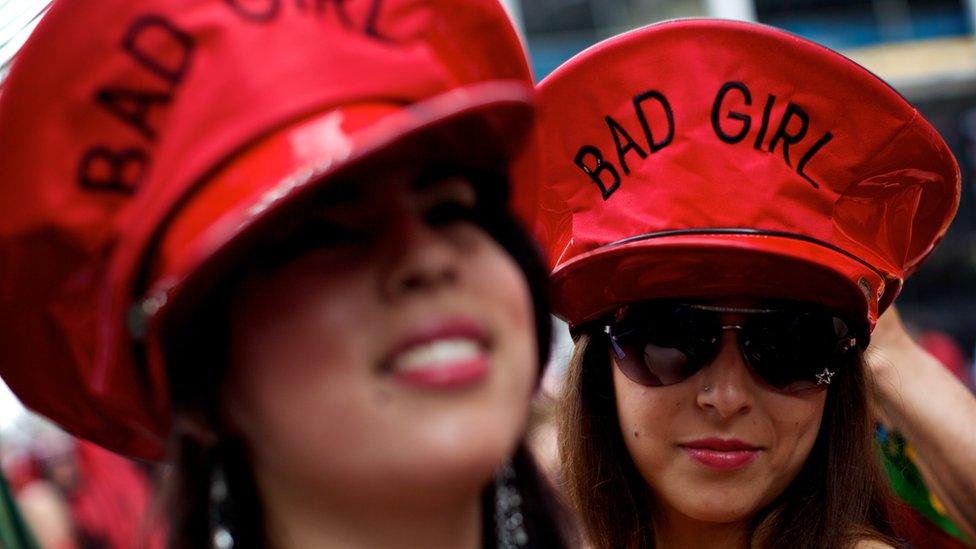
[[795, 422], [299, 361], [501, 284], [502, 293], [647, 417]]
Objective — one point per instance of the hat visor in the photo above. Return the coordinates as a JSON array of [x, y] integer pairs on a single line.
[[712, 264], [481, 126]]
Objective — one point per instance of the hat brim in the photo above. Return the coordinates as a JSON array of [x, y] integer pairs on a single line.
[[481, 126], [714, 264]]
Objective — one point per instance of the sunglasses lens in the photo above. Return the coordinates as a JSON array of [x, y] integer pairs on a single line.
[[664, 345], [788, 349]]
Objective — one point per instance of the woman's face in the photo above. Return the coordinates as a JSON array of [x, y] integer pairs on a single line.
[[399, 353], [720, 445]]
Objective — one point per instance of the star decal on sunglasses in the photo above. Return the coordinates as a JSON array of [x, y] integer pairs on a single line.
[[823, 378]]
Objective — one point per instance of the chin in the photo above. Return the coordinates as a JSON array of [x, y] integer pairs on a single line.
[[465, 455], [717, 508], [414, 467]]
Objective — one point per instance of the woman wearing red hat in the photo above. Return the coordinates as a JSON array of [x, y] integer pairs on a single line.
[[259, 235], [728, 208]]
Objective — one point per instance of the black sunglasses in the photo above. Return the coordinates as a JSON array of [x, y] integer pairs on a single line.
[[793, 348]]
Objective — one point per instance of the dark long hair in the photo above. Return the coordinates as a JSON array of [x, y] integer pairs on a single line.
[[838, 497], [196, 354]]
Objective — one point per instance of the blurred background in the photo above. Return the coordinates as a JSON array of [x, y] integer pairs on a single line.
[[925, 48]]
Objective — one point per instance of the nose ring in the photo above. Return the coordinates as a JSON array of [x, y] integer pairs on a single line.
[[706, 389]]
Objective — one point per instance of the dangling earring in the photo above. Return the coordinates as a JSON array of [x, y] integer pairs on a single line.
[[220, 534], [509, 520]]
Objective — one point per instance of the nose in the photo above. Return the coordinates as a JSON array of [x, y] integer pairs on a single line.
[[726, 388], [421, 259]]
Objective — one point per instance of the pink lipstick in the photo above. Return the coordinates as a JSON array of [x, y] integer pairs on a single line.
[[445, 354], [722, 454]]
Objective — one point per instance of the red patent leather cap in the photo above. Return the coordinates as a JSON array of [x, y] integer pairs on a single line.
[[141, 140], [708, 159]]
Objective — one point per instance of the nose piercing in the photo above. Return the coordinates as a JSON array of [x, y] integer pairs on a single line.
[[706, 389]]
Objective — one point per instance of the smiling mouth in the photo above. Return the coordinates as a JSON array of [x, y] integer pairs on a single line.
[[443, 355]]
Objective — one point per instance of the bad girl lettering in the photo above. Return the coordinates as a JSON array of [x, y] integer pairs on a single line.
[[734, 120], [163, 54]]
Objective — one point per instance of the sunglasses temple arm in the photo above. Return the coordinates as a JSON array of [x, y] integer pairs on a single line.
[[614, 345]]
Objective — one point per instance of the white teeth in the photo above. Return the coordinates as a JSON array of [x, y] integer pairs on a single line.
[[437, 354]]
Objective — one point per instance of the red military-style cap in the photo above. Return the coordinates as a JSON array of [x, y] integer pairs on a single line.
[[144, 140], [709, 158]]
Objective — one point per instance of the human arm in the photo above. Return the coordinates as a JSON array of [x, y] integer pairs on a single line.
[[915, 395]]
